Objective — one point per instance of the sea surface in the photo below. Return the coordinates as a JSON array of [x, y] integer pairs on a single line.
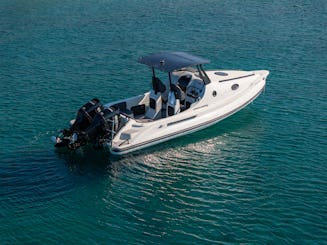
[[259, 176]]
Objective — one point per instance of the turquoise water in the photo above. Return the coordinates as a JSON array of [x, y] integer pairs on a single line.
[[257, 177]]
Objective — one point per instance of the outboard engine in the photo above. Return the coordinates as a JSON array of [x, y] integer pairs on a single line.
[[86, 114], [104, 125], [93, 124]]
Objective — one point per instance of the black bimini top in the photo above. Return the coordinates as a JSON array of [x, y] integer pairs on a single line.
[[170, 61]]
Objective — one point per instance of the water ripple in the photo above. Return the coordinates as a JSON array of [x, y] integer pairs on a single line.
[[256, 177]]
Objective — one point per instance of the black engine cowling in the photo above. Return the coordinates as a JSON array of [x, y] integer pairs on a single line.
[[86, 114], [103, 124], [93, 124]]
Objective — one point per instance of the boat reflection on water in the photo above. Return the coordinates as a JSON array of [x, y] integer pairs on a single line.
[[86, 160]]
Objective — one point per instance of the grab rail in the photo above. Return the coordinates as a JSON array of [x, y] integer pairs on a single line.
[[230, 79]]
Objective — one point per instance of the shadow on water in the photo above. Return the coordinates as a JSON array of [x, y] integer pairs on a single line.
[[88, 160]]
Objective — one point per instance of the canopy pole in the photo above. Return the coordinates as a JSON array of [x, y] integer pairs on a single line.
[[200, 72], [205, 74]]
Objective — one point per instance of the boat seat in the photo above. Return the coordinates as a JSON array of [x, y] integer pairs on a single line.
[[159, 87], [179, 93], [183, 81], [155, 105], [173, 105]]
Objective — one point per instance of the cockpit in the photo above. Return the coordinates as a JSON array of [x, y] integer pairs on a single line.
[[183, 88]]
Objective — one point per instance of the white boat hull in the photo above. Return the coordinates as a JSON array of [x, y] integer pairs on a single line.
[[210, 109]]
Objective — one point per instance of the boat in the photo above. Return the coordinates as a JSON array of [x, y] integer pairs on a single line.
[[190, 99]]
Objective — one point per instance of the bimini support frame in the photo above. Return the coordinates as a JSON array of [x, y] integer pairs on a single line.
[[203, 75]]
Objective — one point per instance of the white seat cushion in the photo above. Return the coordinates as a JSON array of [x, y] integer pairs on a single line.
[[155, 105]]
